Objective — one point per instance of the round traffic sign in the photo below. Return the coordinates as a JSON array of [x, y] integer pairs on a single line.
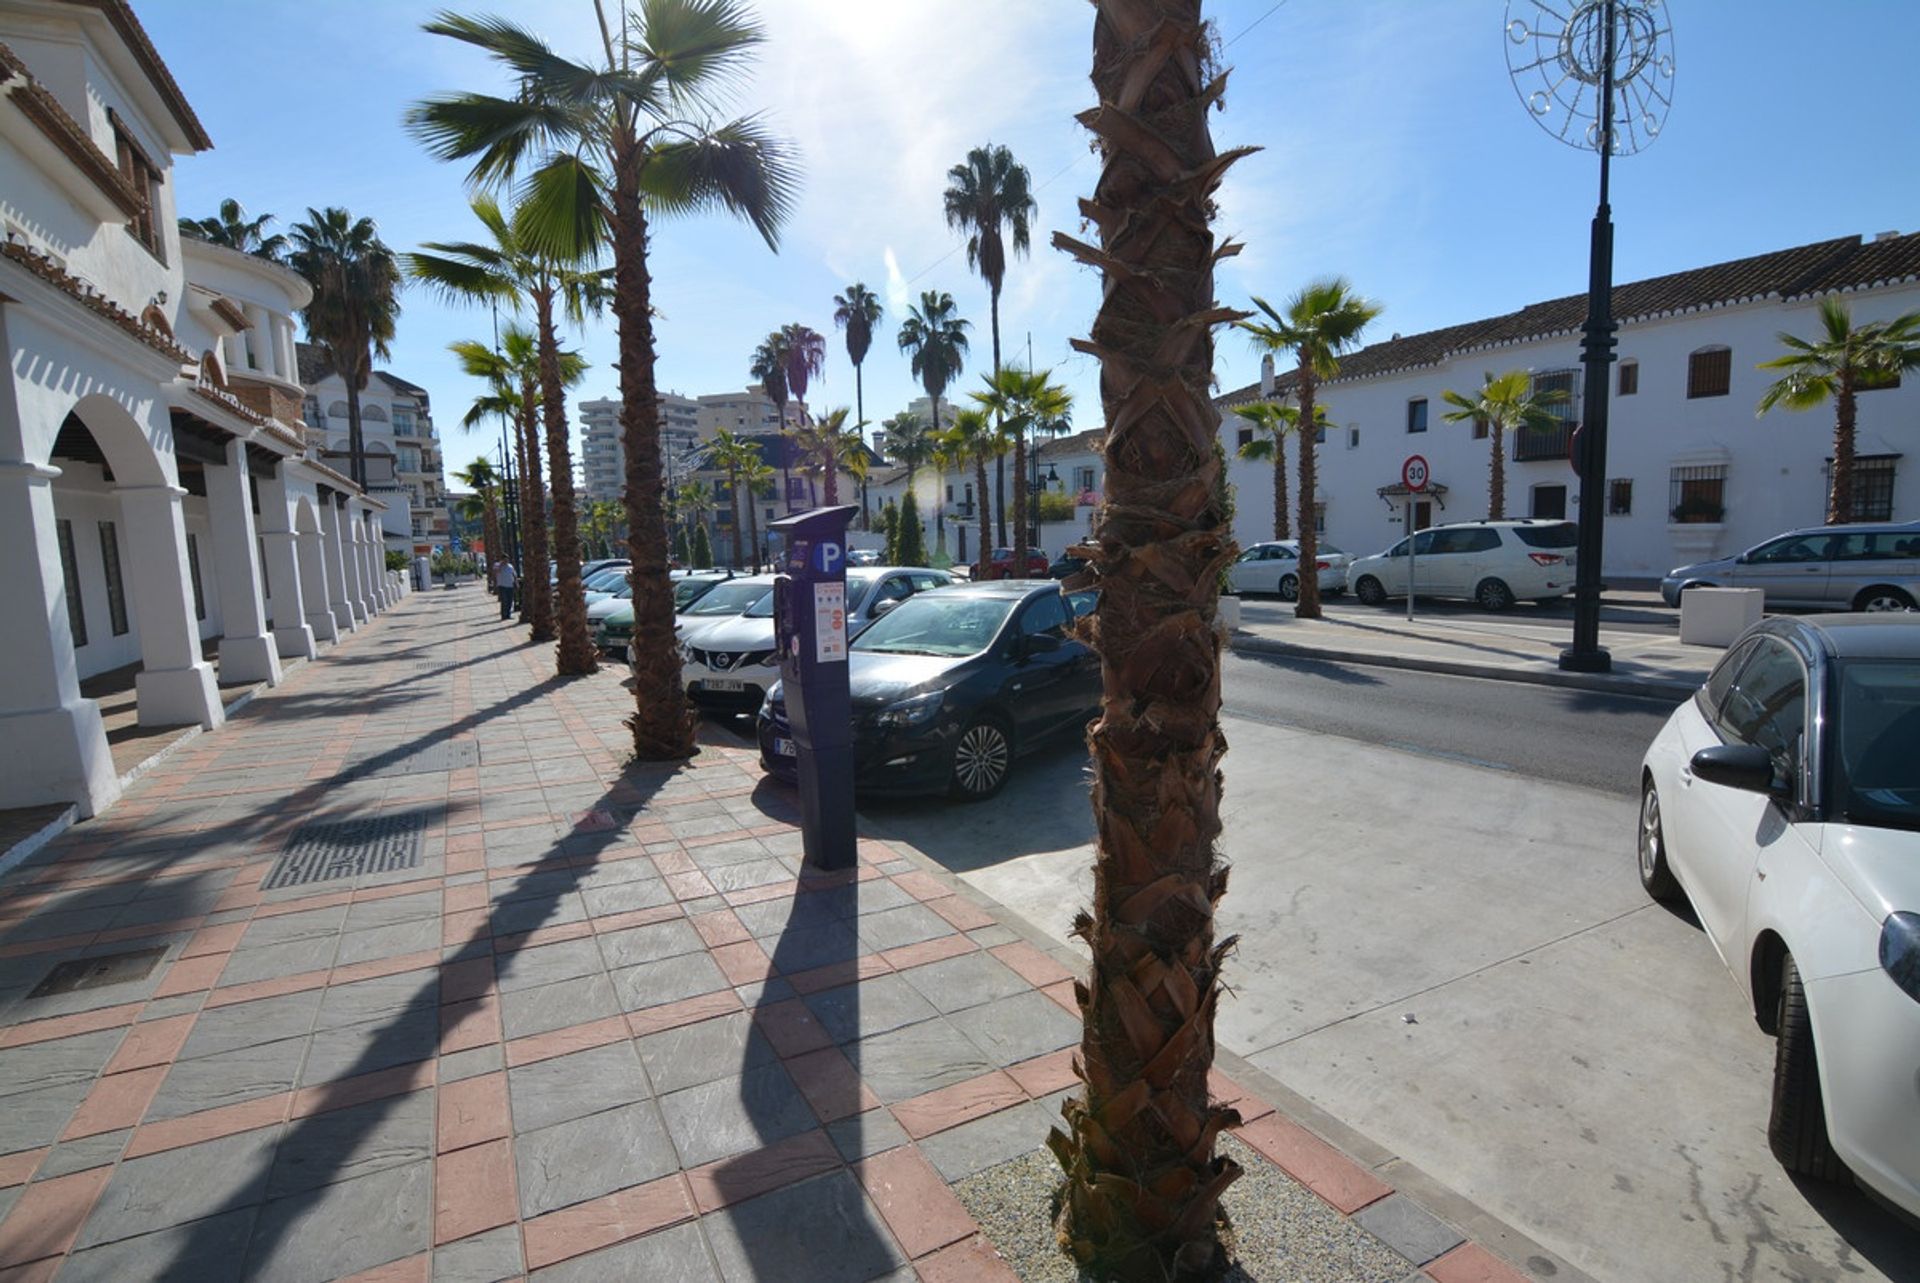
[[1413, 473]]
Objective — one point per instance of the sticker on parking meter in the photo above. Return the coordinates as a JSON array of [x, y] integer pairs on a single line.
[[830, 623]]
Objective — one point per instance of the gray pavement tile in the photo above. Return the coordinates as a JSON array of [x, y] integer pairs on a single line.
[[180, 1185], [191, 903], [179, 1005], [919, 1058], [568, 1087], [676, 1255], [248, 1024], [623, 897], [668, 980], [342, 1144], [826, 1222], [587, 1157], [84, 1155], [705, 904], [954, 984], [8, 1197], [868, 1008], [876, 896], [471, 1063], [416, 936], [548, 964], [365, 915], [543, 886], [909, 924], [351, 1050], [34, 1118], [892, 867], [804, 948], [651, 943], [274, 961], [510, 916], [973, 1147], [748, 873], [61, 1060], [699, 1053], [1019, 1028], [792, 913], [492, 1257], [988, 937], [342, 1229], [288, 927], [206, 1251], [379, 998], [732, 1115], [228, 1077], [556, 1006], [760, 992], [864, 1135], [610, 873], [1409, 1228]]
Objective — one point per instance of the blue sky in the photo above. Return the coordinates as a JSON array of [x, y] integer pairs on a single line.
[[1395, 152]]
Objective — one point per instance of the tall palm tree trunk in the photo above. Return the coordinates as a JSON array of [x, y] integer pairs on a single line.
[[1308, 605], [356, 439], [1282, 519], [986, 531], [575, 656], [533, 579], [1000, 462], [523, 499], [1840, 500], [739, 557], [860, 419], [490, 531], [1496, 474], [753, 533], [662, 722], [1140, 1200]]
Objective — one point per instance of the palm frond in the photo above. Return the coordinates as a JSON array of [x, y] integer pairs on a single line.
[[500, 135], [561, 212], [699, 48], [740, 167]]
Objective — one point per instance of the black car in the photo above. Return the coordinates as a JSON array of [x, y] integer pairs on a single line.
[[949, 687], [1066, 566]]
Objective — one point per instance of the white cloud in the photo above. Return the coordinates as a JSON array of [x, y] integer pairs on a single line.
[[896, 283]]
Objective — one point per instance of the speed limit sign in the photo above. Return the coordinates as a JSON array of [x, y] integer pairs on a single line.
[[1413, 473]]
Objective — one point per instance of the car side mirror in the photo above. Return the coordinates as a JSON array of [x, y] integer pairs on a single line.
[[1040, 644], [1747, 767], [883, 606]]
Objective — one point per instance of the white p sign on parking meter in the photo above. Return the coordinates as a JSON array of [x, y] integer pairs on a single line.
[[1414, 476]]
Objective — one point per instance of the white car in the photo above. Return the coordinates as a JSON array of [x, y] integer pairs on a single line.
[[1494, 563], [1274, 567], [730, 666], [1783, 799], [603, 583]]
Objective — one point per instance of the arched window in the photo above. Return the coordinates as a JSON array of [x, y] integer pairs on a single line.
[[338, 410], [1709, 371], [373, 414]]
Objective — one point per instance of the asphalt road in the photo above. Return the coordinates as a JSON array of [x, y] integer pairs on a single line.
[[1504, 726], [1627, 612]]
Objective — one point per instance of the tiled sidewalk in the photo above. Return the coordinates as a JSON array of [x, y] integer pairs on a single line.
[[564, 1018]]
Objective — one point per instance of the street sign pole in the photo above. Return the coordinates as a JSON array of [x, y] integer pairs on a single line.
[[1411, 563], [1414, 475]]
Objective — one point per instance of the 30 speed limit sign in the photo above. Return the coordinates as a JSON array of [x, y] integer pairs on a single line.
[[1413, 473]]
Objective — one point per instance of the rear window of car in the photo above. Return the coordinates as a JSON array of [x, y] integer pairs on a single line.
[[1878, 743], [1562, 534]]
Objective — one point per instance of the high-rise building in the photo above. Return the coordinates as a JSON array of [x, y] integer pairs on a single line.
[[603, 456], [404, 464], [742, 412]]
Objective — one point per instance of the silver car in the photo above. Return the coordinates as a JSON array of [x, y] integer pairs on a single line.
[[1858, 567]]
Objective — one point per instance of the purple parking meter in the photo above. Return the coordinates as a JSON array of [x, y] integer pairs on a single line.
[[810, 628]]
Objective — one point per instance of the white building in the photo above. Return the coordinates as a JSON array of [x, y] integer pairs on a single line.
[[603, 455], [1691, 471], [743, 412], [154, 494], [405, 467]]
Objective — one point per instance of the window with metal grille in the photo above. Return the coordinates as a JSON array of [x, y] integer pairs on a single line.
[[1620, 497], [1558, 392], [1319, 518], [193, 573], [1697, 494], [1417, 414], [70, 573], [1244, 438], [1872, 486], [116, 587], [1709, 372], [1629, 378]]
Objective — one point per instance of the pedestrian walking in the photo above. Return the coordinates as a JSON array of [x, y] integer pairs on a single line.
[[505, 580]]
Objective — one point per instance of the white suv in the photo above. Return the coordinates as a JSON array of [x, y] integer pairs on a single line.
[[1493, 563]]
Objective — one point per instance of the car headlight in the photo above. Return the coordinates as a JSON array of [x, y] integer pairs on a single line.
[[1900, 951], [917, 711]]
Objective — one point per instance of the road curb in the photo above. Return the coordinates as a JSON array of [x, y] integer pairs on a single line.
[[1651, 688]]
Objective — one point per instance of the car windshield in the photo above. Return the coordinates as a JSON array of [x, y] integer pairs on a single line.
[[1877, 747], [938, 624], [857, 586], [687, 590], [607, 580], [729, 598], [1328, 550], [1561, 534]]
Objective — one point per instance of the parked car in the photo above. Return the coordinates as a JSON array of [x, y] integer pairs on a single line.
[[1274, 567], [615, 630], [863, 557], [1493, 563], [1066, 566], [1783, 800], [1000, 565], [604, 583], [594, 567], [1856, 567], [952, 686], [604, 607], [729, 666]]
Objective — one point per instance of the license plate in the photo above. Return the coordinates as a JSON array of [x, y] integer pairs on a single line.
[[782, 748], [725, 684]]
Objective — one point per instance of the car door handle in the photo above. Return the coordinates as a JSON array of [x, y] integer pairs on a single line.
[[1686, 776]]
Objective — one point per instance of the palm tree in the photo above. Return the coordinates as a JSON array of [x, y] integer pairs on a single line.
[[1143, 1183], [1846, 359], [1505, 402], [516, 269], [600, 148], [974, 439], [857, 312], [831, 447], [233, 229], [1320, 322], [732, 454], [989, 190], [1271, 423], [1022, 402], [937, 340], [484, 504], [769, 365], [806, 353], [908, 442], [757, 477], [356, 301]]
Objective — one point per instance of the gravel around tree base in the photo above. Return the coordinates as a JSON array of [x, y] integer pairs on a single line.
[[1281, 1231]]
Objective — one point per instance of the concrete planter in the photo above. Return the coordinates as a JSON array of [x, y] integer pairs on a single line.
[[1228, 618]]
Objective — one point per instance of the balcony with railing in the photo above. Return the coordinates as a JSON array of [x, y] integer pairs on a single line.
[[1533, 444]]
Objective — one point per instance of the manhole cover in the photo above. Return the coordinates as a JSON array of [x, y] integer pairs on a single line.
[[98, 973], [450, 755], [348, 848]]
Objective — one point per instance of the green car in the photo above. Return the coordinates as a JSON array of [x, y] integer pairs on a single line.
[[613, 633]]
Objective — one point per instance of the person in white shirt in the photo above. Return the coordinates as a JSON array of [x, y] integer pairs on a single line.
[[505, 580]]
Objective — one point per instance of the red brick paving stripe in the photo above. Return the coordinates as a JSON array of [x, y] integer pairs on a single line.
[[394, 890], [770, 891], [744, 963], [925, 951], [215, 939], [465, 1025], [17, 1169], [922, 886], [791, 1027], [414, 1269], [49, 1215], [209, 1124], [602, 1222], [673, 861], [636, 918], [461, 928], [142, 930], [116, 1101], [971, 1261], [461, 899], [303, 904], [466, 859], [562, 1042], [965, 915], [467, 979], [687, 1011], [835, 974], [936, 1111], [235, 898], [715, 839], [831, 1084], [190, 975], [1225, 1091], [734, 1180], [722, 926], [1035, 967], [473, 1110], [155, 1042], [344, 1093], [375, 968], [1314, 1163], [690, 886], [473, 1190], [1471, 1263], [1063, 994], [1044, 1075], [80, 1022], [553, 934], [914, 1201], [41, 1271]]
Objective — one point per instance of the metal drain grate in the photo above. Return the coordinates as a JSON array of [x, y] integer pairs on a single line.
[[348, 848], [97, 973], [449, 755]]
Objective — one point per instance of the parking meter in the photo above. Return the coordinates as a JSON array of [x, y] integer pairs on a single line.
[[810, 629]]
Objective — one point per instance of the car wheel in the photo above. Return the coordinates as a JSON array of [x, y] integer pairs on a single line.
[[1882, 597], [1289, 588], [1797, 1129], [1493, 594], [1655, 876], [982, 760], [1369, 591]]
